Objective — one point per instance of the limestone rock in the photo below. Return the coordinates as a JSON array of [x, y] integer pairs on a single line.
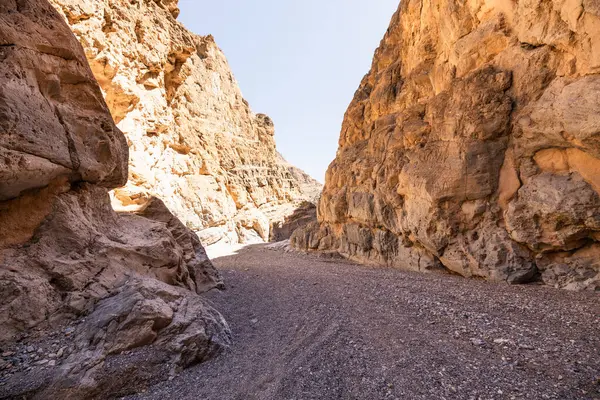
[[302, 216], [174, 329], [201, 271], [310, 188], [193, 140], [41, 70], [473, 145], [82, 249], [65, 254]]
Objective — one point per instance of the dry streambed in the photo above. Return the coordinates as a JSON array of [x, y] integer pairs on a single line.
[[311, 328]]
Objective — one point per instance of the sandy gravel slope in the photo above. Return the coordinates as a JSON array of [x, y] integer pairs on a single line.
[[311, 328]]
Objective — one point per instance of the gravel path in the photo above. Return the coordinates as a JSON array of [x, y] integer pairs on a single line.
[[311, 328]]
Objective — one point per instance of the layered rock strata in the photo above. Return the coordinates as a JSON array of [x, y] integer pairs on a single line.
[[64, 253], [473, 145], [193, 140]]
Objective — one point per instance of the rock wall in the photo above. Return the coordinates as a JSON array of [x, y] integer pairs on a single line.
[[131, 280], [193, 140], [473, 145]]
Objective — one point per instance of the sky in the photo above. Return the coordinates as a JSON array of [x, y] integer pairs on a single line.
[[299, 62]]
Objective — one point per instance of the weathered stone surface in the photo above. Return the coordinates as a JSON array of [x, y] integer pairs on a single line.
[[65, 254], [474, 144], [82, 249], [302, 216], [194, 142], [201, 271], [144, 332], [41, 70]]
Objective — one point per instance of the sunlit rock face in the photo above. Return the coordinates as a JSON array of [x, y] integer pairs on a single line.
[[473, 145], [193, 140]]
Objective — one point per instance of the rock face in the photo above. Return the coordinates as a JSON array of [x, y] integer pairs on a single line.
[[41, 71], [193, 140], [302, 216], [64, 253], [473, 145]]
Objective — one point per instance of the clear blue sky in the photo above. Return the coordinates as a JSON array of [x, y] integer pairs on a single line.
[[297, 61]]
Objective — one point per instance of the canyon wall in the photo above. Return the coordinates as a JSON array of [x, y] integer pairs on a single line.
[[71, 268], [193, 140], [473, 145]]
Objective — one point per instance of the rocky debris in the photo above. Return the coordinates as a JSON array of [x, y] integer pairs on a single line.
[[144, 320], [83, 249], [193, 140], [84, 291], [283, 245], [473, 146], [45, 350], [343, 331]]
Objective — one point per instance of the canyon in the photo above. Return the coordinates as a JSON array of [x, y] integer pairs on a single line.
[[193, 140], [470, 149], [472, 146], [125, 149]]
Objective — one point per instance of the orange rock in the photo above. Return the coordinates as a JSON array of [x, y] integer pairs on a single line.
[[473, 145]]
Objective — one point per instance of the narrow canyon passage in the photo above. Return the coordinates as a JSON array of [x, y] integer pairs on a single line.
[[128, 153], [313, 328]]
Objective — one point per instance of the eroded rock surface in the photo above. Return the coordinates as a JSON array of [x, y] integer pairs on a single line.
[[305, 214], [193, 140], [142, 334], [473, 145], [81, 250], [46, 85], [131, 280]]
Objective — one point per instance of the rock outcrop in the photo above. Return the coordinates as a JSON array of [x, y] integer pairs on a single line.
[[132, 280], [473, 145], [193, 140], [305, 214]]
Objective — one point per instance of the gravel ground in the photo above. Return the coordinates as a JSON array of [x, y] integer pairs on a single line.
[[311, 328]]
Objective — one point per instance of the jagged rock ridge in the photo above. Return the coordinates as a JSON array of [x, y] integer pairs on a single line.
[[123, 281], [473, 145], [193, 140]]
